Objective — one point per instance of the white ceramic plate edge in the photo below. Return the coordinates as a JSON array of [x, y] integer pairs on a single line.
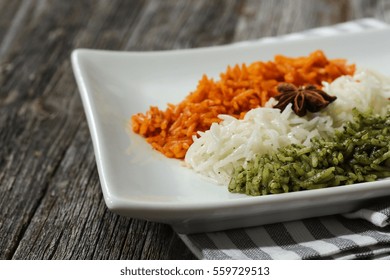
[[176, 213]]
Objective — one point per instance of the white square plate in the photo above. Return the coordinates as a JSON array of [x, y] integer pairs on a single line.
[[141, 183]]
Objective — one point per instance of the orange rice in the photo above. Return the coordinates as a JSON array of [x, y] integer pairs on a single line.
[[240, 89]]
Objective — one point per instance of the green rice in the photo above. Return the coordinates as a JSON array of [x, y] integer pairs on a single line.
[[358, 153]]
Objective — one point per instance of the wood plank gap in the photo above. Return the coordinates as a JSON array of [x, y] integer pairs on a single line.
[[101, 232], [56, 244], [124, 240]]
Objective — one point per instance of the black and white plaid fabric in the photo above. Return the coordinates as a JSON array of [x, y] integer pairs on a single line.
[[364, 234]]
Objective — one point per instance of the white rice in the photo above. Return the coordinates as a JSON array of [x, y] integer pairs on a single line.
[[366, 90], [233, 142]]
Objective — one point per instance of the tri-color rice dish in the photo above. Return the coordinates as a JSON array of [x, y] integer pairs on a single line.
[[255, 129]]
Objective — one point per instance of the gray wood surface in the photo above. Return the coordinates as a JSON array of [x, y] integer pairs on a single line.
[[51, 205]]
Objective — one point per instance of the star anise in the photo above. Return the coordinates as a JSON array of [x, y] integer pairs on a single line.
[[303, 98]]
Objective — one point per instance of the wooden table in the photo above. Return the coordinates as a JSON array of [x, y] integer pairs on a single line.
[[51, 204]]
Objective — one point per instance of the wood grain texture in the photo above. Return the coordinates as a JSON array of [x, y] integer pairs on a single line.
[[51, 205]]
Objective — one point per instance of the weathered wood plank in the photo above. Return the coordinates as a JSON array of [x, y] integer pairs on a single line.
[[55, 109], [50, 198], [35, 133]]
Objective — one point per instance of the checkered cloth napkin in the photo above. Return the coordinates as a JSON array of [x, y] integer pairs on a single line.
[[364, 234]]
